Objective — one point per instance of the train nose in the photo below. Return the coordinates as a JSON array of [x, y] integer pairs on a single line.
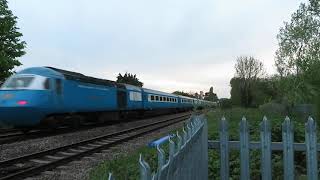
[[19, 109], [19, 116]]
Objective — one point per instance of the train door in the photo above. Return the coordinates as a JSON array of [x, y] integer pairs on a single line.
[[121, 96], [58, 91]]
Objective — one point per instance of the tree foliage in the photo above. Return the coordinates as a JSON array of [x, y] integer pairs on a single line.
[[298, 56], [181, 93], [210, 96], [129, 78], [248, 71], [11, 46], [262, 91]]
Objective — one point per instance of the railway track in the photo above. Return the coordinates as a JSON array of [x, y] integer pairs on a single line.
[[7, 133], [8, 136], [33, 164]]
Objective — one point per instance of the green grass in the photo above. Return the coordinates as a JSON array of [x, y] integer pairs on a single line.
[[126, 166]]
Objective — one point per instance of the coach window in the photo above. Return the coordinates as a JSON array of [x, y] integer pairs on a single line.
[[157, 98], [165, 99], [160, 98], [152, 97]]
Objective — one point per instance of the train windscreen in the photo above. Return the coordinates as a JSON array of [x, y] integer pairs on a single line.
[[18, 82]]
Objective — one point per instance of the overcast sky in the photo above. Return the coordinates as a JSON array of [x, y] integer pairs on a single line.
[[170, 44]]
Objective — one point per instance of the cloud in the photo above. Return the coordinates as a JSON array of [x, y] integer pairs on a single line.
[[171, 45]]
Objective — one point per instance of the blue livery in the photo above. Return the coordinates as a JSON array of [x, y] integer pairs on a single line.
[[39, 95]]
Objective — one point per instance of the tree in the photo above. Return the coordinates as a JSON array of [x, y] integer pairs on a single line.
[[211, 96], [248, 70], [11, 47], [262, 91], [298, 56], [128, 78]]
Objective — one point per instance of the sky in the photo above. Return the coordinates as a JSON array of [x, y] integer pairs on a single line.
[[170, 44]]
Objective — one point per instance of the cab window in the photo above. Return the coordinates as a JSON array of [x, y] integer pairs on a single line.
[[18, 82]]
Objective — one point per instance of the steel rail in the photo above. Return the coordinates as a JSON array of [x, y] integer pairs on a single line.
[[80, 149], [8, 136]]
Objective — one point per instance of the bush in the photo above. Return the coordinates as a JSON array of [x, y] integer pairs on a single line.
[[274, 108], [225, 103]]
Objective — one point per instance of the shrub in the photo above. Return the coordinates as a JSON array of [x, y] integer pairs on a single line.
[[225, 103]]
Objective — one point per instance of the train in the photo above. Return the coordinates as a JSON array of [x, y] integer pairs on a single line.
[[46, 96]]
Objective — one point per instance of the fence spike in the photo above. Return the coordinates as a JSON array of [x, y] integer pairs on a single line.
[[311, 143], [288, 151], [145, 173], [244, 150], [110, 177], [265, 136], [224, 149]]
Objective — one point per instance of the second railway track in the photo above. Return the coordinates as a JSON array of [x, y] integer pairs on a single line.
[[33, 164]]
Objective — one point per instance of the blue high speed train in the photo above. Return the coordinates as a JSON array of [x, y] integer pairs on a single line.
[[46, 96]]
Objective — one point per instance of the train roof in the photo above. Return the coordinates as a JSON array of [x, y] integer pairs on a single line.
[[42, 71], [132, 87], [70, 75], [185, 97], [159, 92]]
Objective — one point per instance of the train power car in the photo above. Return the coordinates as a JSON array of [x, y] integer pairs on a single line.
[[48, 96]]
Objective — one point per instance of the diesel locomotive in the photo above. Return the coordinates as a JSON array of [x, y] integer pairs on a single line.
[[45, 96]]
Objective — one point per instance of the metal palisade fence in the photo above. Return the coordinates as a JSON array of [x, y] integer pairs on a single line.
[[188, 156], [267, 146]]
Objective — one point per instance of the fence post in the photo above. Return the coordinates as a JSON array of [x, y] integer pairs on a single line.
[[224, 149], [288, 153], [161, 158], [145, 173], [185, 136], [265, 136], [244, 150], [179, 143], [311, 143]]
